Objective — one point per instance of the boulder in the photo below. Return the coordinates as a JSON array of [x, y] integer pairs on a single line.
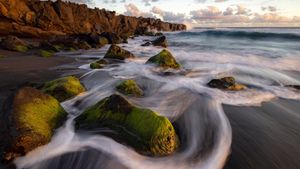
[[63, 88], [130, 87], [83, 45], [14, 44], [98, 64], [141, 128], [49, 47], [226, 83], [34, 117], [116, 52], [165, 60], [161, 41], [294, 86], [46, 53], [112, 37], [146, 44]]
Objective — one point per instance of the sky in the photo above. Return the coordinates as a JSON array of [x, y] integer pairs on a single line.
[[209, 13]]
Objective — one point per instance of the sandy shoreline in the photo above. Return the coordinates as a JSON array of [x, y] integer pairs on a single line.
[[265, 137]]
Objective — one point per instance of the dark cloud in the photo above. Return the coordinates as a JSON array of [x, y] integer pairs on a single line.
[[269, 8]]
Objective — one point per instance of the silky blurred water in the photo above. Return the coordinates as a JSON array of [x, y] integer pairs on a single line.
[[266, 60]]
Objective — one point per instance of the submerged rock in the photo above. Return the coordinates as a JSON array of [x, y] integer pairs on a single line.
[[14, 44], [142, 128], [130, 87], [34, 117], [226, 83], [146, 44], [161, 41], [63, 88], [164, 59], [294, 86], [116, 52]]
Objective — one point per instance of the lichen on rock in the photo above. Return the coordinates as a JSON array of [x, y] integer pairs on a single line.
[[142, 128], [35, 115], [130, 87], [165, 60], [63, 88], [226, 83], [116, 52]]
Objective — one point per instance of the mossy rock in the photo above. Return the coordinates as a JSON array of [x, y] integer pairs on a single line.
[[226, 83], [96, 65], [47, 46], [35, 115], [103, 41], [116, 52], [143, 129], [130, 87], [161, 41], [164, 59], [14, 44], [46, 53], [21, 48], [83, 45], [63, 88]]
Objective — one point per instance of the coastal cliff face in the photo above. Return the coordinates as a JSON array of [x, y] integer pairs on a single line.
[[34, 18]]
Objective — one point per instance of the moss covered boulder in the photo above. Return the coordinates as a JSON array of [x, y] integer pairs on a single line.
[[34, 117], [63, 88], [130, 87], [161, 41], [164, 59], [98, 64], [143, 129], [116, 52], [14, 44], [46, 53], [226, 83]]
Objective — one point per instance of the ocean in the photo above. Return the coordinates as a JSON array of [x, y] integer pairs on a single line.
[[217, 129]]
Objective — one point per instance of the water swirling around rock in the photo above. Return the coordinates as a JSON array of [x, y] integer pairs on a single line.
[[195, 109]]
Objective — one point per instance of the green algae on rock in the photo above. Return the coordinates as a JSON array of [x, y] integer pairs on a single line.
[[142, 128], [14, 44], [46, 53], [63, 88], [96, 65], [164, 59], [116, 52], [35, 115], [130, 87], [226, 83]]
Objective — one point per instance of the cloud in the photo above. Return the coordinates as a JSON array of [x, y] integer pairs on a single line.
[[202, 1], [168, 16], [133, 10], [148, 2], [242, 10], [211, 12], [269, 8]]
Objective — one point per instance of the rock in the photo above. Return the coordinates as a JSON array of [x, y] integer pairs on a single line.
[[141, 128], [14, 44], [116, 52], [226, 83], [46, 53], [83, 45], [294, 86], [63, 88], [47, 19], [112, 37], [146, 44], [96, 65], [165, 60], [49, 47], [34, 118], [130, 87], [161, 41], [159, 34]]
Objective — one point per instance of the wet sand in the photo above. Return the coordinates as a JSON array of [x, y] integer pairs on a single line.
[[266, 137], [19, 68]]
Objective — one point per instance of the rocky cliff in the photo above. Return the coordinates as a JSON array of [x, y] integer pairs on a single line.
[[34, 18]]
